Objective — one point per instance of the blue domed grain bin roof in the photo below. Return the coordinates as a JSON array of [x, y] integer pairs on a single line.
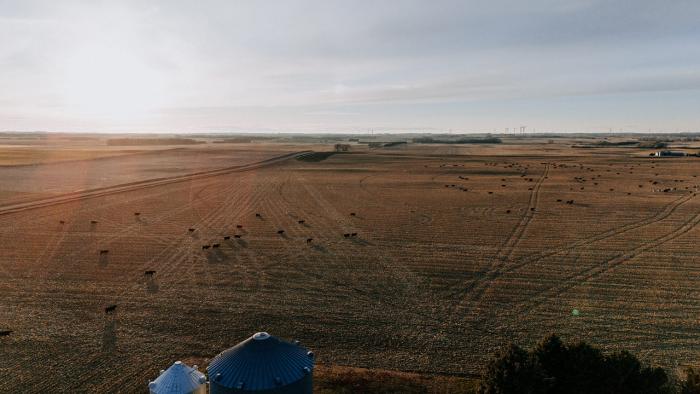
[[261, 362], [178, 379]]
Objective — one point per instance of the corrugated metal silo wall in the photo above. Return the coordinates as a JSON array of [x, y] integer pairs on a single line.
[[302, 386]]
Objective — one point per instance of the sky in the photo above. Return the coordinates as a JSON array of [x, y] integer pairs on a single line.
[[350, 66]]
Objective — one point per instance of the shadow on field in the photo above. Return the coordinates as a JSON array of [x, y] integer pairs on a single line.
[[151, 286], [109, 335], [361, 242], [216, 256], [319, 248]]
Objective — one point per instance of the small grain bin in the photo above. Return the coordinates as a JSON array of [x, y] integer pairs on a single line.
[[179, 379], [262, 364]]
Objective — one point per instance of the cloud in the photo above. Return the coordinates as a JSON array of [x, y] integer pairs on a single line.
[[83, 60]]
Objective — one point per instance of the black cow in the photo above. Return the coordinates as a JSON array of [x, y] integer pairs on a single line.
[[4, 333], [239, 226], [110, 309], [206, 246], [215, 245], [227, 237], [301, 221], [237, 236], [309, 240], [149, 273], [190, 229], [104, 251], [280, 232]]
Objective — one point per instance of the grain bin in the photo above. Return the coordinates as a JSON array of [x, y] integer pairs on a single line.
[[179, 379], [262, 364]]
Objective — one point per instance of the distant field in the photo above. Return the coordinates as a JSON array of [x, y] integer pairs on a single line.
[[458, 250], [15, 156]]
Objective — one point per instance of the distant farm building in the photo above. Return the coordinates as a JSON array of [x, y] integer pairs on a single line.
[[669, 153], [262, 363], [179, 379]]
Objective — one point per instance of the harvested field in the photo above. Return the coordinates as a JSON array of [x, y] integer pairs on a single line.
[[457, 250]]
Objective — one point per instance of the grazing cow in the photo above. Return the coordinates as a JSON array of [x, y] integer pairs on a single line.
[[346, 235], [309, 240], [280, 232], [62, 221], [137, 213], [237, 236], [508, 211], [149, 273], [239, 226], [190, 229], [215, 245], [110, 309], [93, 221], [227, 237], [257, 215], [206, 246], [558, 199], [532, 209], [104, 251], [353, 234], [490, 192], [301, 221], [353, 213], [4, 333]]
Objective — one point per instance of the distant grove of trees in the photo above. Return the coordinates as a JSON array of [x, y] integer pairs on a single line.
[[579, 368]]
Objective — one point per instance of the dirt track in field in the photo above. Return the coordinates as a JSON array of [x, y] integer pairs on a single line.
[[437, 278]]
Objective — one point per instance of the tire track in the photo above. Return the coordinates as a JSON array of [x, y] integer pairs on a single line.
[[476, 290], [596, 271], [133, 186]]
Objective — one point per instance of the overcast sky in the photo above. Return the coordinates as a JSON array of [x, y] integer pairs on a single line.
[[327, 66]]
